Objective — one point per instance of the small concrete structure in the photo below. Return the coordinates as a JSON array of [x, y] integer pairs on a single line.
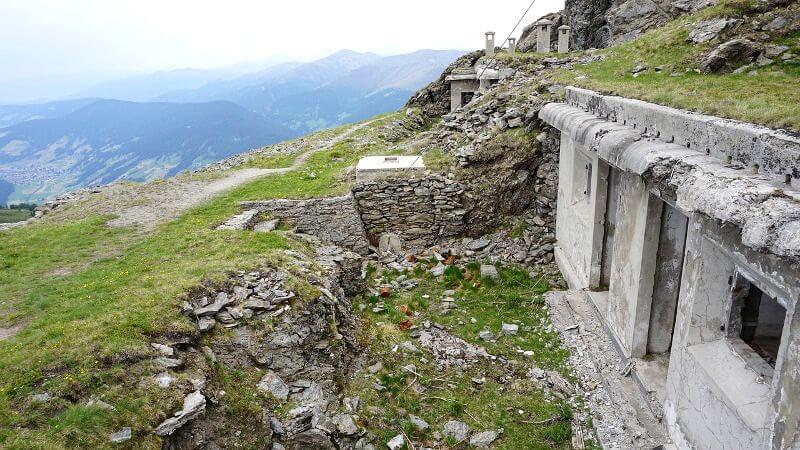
[[466, 83], [563, 39], [512, 45], [490, 44], [693, 262], [375, 167], [543, 35]]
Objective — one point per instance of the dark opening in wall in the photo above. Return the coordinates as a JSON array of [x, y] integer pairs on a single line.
[[467, 97], [757, 319]]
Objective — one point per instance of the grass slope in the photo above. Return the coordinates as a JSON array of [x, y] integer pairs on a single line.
[[767, 95], [14, 215], [93, 297], [529, 418]]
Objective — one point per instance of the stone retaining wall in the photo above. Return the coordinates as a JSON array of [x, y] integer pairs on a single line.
[[332, 219], [420, 210]]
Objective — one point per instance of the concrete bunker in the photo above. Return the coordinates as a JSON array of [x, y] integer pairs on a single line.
[[693, 274], [466, 83]]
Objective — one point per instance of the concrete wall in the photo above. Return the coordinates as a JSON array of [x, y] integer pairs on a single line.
[[666, 285], [720, 394], [333, 219], [419, 210], [633, 266], [578, 230], [702, 240]]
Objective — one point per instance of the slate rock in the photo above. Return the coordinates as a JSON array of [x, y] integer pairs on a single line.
[[728, 56], [489, 271], [708, 30], [396, 443], [510, 329], [456, 429], [206, 324], [345, 424], [165, 350], [484, 439], [265, 227], [272, 384], [313, 440], [478, 244], [120, 436], [193, 405], [418, 422], [168, 363], [41, 398]]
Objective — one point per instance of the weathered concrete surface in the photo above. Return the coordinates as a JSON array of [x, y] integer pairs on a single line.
[[633, 266], [579, 235], [458, 89], [767, 210], [666, 285], [738, 406], [776, 152]]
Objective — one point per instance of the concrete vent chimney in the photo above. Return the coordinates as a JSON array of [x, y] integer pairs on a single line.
[[512, 45], [543, 35], [563, 39], [490, 43]]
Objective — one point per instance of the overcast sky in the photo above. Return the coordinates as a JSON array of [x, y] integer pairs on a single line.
[[49, 48]]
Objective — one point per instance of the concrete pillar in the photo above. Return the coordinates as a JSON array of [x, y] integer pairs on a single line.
[[563, 39], [543, 35], [490, 43], [512, 45]]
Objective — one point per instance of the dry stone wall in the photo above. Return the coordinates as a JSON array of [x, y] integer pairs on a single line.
[[332, 219], [419, 210]]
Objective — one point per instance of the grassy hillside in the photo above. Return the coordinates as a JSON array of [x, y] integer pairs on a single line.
[[91, 304], [14, 215], [768, 95]]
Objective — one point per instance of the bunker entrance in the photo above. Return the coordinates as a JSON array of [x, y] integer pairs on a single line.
[[467, 97]]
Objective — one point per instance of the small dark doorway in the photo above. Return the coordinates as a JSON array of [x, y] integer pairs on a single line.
[[467, 97]]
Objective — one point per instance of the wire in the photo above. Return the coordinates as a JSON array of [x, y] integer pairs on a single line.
[[508, 37], [421, 154]]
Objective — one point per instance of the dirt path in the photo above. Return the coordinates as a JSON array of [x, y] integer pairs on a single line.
[[174, 197]]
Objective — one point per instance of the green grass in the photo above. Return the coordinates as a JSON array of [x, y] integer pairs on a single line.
[[14, 215], [770, 96], [93, 297], [544, 422]]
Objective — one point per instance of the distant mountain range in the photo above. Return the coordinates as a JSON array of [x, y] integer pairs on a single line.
[[158, 125]]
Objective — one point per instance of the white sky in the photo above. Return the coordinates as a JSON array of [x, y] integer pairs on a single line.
[[48, 46]]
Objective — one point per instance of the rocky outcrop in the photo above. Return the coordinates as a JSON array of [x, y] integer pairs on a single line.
[[601, 23], [301, 340], [729, 56]]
